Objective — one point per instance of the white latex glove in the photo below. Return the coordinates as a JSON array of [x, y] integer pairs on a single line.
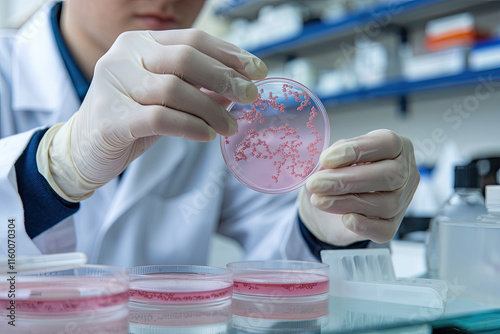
[[362, 190], [149, 84]]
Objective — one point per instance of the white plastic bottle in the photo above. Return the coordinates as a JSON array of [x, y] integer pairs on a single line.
[[466, 204], [470, 254]]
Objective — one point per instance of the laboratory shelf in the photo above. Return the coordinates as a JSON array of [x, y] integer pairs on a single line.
[[403, 87], [402, 14], [385, 14], [244, 8]]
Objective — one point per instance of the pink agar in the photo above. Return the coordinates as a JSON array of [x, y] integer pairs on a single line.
[[287, 156], [178, 291], [180, 297], [281, 284], [64, 297]]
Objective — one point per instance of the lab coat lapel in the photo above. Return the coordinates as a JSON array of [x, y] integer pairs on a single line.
[[145, 173], [41, 82]]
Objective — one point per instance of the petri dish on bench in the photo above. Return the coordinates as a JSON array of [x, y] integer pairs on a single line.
[[87, 299], [279, 139], [179, 284], [87, 288], [280, 278]]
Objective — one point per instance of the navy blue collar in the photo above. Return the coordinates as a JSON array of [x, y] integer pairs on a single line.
[[79, 80]]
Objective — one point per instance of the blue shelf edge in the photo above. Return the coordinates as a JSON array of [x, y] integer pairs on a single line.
[[320, 30], [403, 87], [229, 6]]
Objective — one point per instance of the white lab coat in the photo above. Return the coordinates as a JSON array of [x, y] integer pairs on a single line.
[[169, 201]]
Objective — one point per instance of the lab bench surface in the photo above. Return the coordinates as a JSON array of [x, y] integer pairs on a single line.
[[310, 314], [320, 313], [342, 316]]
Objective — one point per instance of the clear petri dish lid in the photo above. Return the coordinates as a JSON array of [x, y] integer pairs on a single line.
[[284, 278], [191, 317], [282, 308], [179, 284], [73, 291], [279, 139]]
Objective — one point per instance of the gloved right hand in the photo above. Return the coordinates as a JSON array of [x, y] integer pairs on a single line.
[[363, 189], [149, 84]]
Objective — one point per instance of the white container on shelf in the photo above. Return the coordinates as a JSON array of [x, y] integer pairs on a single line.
[[371, 62], [432, 65], [485, 56], [330, 83], [470, 253], [276, 24], [303, 71]]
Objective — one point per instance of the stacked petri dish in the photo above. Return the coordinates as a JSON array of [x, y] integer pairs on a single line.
[[89, 299], [279, 139], [273, 314], [280, 295], [279, 278], [180, 299]]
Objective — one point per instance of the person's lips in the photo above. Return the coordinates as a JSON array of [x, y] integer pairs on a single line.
[[154, 21]]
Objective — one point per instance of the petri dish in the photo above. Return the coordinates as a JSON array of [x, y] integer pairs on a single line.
[[284, 308], [179, 284], [272, 314], [88, 288], [280, 278], [189, 318], [279, 139]]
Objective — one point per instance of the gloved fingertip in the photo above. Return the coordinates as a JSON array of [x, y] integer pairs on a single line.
[[311, 183], [231, 116], [233, 127], [211, 134], [245, 91], [321, 202], [349, 221], [318, 183], [251, 92], [315, 200], [256, 68], [338, 155]]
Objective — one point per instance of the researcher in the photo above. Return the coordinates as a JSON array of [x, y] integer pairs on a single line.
[[109, 111]]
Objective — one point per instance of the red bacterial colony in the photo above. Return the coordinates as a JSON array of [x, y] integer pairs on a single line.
[[286, 156]]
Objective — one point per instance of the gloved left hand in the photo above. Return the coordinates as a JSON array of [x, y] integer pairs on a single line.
[[362, 190]]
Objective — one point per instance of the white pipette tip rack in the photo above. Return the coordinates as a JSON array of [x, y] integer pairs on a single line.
[[369, 274]]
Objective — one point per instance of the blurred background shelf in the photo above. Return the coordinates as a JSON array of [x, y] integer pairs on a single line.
[[403, 87], [401, 13], [392, 24], [245, 8]]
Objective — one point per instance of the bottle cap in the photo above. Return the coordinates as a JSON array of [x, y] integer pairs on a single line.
[[493, 197], [466, 176]]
